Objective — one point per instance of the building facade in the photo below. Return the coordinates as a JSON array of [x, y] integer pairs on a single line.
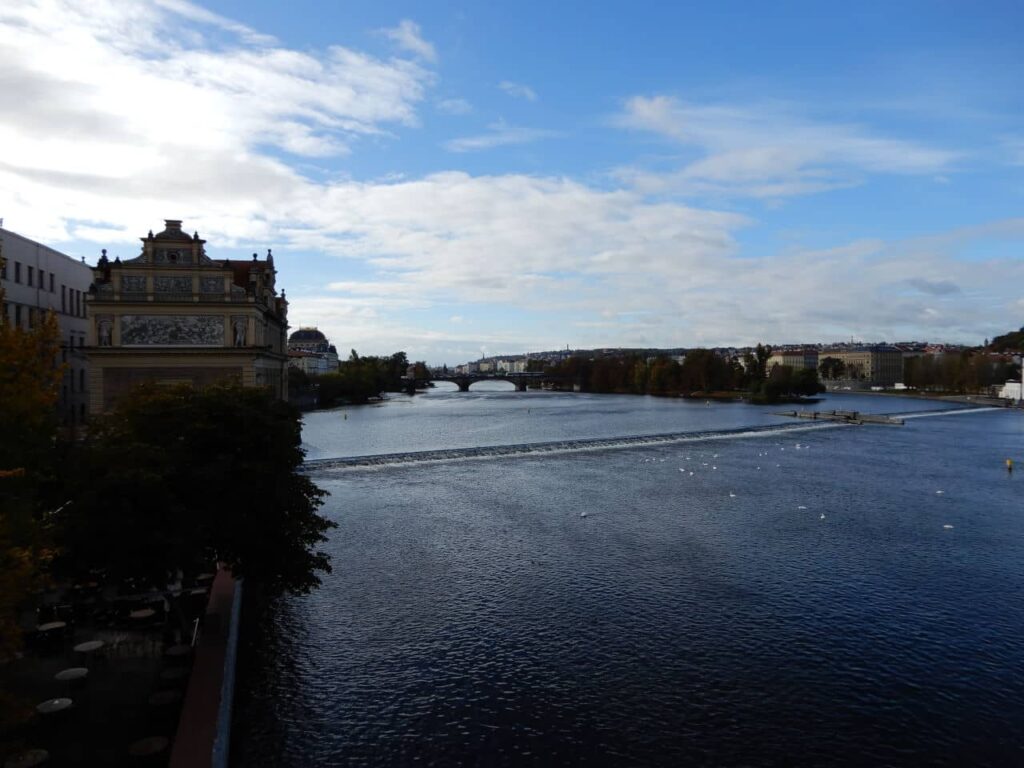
[[797, 359], [876, 366], [311, 352], [174, 315], [37, 279]]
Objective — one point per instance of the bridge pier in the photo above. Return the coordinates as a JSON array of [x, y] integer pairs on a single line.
[[520, 385], [463, 384]]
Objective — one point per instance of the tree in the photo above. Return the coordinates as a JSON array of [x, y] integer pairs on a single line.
[[29, 379], [786, 382], [174, 478], [832, 368]]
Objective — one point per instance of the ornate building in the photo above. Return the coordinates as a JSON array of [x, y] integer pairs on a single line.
[[311, 353], [174, 315]]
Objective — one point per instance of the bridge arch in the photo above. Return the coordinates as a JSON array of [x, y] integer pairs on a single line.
[[496, 384]]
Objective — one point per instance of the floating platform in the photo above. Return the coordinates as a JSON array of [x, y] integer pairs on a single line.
[[845, 417]]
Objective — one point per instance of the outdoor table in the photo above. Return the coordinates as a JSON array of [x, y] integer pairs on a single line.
[[71, 673], [151, 745], [27, 759], [51, 706], [143, 613], [50, 626], [89, 646]]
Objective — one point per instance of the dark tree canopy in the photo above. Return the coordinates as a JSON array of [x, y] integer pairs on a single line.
[[360, 379], [176, 477]]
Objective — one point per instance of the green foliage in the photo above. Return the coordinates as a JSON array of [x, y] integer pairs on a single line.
[[175, 478], [784, 383], [1008, 342], [701, 371], [360, 379], [832, 368], [965, 372]]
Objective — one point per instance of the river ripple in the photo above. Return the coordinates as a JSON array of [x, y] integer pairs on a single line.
[[475, 618]]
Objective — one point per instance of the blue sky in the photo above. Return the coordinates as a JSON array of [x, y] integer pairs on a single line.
[[456, 179]]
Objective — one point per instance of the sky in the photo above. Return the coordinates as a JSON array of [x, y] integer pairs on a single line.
[[458, 179]]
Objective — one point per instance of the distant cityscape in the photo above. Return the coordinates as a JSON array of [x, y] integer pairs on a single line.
[[173, 314]]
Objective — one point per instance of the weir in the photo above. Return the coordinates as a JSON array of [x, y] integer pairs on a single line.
[[560, 446]]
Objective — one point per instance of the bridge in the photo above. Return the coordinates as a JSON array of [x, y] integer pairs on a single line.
[[465, 380]]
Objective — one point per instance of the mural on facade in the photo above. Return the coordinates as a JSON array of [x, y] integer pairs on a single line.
[[164, 284], [133, 283], [211, 284], [172, 330]]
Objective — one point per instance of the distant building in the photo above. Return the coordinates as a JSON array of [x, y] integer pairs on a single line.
[[1011, 390], [797, 359], [311, 352], [174, 315], [873, 366], [37, 279]]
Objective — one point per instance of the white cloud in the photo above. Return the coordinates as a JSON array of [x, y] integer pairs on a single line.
[[518, 90], [407, 37], [203, 16], [499, 134], [108, 138], [454, 106], [766, 150]]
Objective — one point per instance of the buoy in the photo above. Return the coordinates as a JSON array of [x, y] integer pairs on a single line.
[[947, 526], [1009, 465], [822, 516], [583, 514]]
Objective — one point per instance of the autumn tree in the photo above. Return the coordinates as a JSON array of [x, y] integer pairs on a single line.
[[30, 377]]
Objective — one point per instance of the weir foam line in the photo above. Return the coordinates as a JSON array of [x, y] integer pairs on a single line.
[[948, 412], [559, 446]]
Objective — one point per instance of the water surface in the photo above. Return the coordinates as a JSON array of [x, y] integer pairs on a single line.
[[820, 605]]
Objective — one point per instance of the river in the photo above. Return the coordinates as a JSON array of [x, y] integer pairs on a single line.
[[828, 596]]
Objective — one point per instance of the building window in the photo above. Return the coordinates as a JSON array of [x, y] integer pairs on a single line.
[[31, 316], [3, 269], [42, 279], [71, 379], [81, 379], [64, 299], [17, 315], [31, 276], [17, 271], [51, 283]]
